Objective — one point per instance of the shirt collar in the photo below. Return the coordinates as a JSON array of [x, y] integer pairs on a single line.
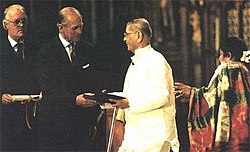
[[64, 42], [139, 52], [13, 43]]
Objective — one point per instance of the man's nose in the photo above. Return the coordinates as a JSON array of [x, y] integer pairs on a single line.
[[79, 30], [21, 24]]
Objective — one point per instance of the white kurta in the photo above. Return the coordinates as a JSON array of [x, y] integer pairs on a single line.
[[150, 118]]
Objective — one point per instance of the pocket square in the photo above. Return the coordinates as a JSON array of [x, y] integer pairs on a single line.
[[85, 66]]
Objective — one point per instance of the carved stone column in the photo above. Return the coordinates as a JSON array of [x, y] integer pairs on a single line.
[[184, 45]]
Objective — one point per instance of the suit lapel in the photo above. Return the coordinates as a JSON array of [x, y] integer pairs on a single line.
[[61, 53]]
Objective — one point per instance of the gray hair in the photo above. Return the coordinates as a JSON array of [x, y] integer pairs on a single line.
[[62, 16], [141, 24], [8, 9]]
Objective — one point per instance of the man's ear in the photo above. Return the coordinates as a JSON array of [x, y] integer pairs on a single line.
[[4, 24], [229, 55], [140, 36], [59, 26]]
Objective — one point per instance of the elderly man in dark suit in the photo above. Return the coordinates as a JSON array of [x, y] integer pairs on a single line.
[[17, 77], [64, 71]]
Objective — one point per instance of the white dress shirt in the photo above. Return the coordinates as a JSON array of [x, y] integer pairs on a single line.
[[150, 118], [66, 46], [13, 44]]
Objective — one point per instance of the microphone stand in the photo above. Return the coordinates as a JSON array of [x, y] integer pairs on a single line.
[[111, 134]]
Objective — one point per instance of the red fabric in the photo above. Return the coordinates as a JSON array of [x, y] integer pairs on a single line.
[[219, 114]]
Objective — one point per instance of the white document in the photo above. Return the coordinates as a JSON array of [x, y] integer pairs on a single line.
[[20, 98]]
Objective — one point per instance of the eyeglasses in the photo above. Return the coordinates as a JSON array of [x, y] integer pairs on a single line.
[[127, 34], [18, 22]]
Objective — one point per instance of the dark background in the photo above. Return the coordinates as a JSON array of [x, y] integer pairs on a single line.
[[193, 62]]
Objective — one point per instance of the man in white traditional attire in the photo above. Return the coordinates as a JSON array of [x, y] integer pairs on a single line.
[[149, 106]]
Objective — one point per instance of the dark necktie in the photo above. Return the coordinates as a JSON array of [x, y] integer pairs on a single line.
[[20, 48], [72, 53]]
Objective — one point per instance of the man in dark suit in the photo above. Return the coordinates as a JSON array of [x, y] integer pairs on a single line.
[[64, 68], [17, 78]]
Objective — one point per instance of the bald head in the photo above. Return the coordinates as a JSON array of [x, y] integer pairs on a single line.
[[141, 24]]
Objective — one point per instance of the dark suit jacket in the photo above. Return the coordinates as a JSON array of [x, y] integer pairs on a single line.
[[61, 82], [17, 77]]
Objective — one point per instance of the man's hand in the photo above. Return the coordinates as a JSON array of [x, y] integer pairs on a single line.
[[181, 90], [123, 103], [6, 98], [83, 102]]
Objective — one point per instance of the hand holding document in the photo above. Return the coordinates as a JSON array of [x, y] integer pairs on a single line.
[[25, 98], [104, 99]]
